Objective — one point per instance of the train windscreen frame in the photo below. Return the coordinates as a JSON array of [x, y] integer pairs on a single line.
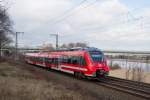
[[97, 56]]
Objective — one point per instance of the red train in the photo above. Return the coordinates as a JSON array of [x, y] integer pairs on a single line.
[[81, 62]]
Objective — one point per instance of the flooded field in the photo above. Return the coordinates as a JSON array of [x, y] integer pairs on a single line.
[[123, 63]]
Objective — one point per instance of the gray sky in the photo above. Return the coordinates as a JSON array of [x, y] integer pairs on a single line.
[[106, 24]]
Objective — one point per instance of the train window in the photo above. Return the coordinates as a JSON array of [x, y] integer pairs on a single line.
[[35, 59], [82, 61], [97, 56], [41, 59], [60, 60], [69, 60], [48, 60], [64, 59], [75, 60], [52, 60], [38, 59], [56, 61]]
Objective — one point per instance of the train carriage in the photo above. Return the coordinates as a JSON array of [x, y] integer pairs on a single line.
[[81, 62]]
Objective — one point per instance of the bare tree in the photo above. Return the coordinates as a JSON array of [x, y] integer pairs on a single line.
[[5, 28], [81, 44], [47, 47], [64, 46], [71, 45]]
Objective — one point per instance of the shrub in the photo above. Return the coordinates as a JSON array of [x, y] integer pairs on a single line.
[[115, 66]]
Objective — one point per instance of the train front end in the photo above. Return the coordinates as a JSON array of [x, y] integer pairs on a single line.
[[98, 66]]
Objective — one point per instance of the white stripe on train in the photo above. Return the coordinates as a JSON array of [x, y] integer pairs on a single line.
[[68, 71], [77, 68], [64, 70]]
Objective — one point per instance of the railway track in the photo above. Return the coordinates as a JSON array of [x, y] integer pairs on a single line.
[[131, 87]]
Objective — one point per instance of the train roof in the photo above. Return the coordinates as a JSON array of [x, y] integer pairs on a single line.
[[36, 54], [56, 54], [78, 51]]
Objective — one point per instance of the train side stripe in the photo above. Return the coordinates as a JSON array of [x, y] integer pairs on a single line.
[[77, 68]]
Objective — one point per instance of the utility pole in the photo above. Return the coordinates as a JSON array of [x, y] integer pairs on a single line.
[[56, 35], [16, 45]]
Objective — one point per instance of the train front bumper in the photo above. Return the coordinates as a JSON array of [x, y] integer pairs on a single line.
[[101, 73]]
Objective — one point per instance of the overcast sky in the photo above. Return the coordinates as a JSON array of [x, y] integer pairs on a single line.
[[106, 24]]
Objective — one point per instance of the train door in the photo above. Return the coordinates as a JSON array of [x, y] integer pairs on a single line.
[[83, 62], [54, 63], [58, 62], [44, 63], [48, 62]]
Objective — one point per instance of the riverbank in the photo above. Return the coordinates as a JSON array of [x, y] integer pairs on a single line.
[[121, 73]]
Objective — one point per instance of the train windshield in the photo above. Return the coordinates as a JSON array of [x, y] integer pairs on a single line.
[[97, 56]]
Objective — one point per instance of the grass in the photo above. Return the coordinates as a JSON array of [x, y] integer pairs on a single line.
[[18, 84], [27, 89], [22, 82]]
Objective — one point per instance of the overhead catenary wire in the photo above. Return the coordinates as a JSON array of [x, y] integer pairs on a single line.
[[113, 24], [81, 6], [68, 11], [74, 10], [131, 19]]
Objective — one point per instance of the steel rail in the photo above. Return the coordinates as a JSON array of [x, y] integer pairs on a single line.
[[127, 88], [131, 82]]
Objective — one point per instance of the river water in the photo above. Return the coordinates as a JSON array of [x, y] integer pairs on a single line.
[[132, 64]]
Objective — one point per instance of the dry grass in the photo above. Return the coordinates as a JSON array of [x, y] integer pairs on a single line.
[[130, 74], [27, 89], [22, 82], [16, 84]]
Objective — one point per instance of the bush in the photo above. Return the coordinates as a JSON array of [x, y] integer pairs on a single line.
[[115, 66]]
